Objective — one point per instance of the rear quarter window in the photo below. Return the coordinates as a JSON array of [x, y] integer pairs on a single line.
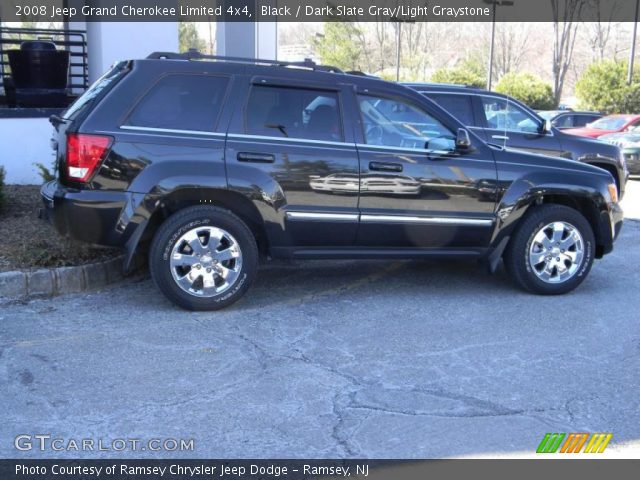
[[181, 102], [95, 91]]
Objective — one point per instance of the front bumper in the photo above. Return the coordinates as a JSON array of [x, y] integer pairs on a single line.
[[611, 225], [86, 215], [632, 159]]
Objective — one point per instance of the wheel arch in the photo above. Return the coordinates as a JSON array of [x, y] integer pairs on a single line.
[[181, 198], [522, 197]]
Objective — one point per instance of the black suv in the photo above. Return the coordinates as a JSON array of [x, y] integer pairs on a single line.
[[206, 163], [503, 120]]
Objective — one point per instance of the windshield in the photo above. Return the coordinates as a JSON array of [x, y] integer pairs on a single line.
[[609, 123]]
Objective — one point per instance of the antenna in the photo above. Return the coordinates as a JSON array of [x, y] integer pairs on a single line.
[[505, 138]]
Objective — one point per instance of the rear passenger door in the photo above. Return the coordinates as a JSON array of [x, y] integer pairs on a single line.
[[292, 149]]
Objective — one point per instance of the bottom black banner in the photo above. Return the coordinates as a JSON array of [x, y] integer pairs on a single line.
[[312, 469]]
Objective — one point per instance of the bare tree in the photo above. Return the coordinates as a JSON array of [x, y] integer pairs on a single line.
[[565, 26], [601, 27], [511, 48], [381, 36]]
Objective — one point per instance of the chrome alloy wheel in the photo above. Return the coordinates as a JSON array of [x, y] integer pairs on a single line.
[[206, 261], [556, 252]]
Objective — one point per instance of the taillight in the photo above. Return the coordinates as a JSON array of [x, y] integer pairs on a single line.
[[84, 154]]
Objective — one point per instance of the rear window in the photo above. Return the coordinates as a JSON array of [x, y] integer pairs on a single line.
[[181, 102], [294, 113], [457, 105]]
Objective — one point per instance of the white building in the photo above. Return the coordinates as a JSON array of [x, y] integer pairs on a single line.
[[25, 133]]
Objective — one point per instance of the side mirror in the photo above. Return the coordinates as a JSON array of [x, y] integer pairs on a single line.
[[547, 126], [463, 142]]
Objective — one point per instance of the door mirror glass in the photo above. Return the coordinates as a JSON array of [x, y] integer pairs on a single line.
[[463, 141]]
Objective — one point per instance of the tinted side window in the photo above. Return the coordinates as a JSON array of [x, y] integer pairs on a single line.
[[503, 115], [459, 106], [395, 123], [181, 102], [293, 113], [566, 121]]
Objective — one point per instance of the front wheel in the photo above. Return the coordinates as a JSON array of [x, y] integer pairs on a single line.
[[552, 250], [203, 258]]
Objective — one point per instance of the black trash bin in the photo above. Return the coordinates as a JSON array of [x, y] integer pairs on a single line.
[[40, 74]]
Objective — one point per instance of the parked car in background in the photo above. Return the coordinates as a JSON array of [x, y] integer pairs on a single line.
[[505, 121], [609, 124], [629, 143], [563, 119], [222, 161]]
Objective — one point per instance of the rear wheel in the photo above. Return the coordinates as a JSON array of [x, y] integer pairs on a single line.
[[552, 251], [203, 258]]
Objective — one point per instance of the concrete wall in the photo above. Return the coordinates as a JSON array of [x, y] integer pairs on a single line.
[[109, 42], [23, 142]]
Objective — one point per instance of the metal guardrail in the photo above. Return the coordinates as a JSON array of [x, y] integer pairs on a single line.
[[74, 41]]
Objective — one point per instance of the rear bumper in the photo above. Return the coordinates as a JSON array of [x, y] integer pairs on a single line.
[[85, 215]]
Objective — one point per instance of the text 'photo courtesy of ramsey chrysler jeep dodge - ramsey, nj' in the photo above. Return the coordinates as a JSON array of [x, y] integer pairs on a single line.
[[207, 164]]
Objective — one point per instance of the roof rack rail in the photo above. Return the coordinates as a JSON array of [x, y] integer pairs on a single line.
[[360, 74], [193, 54]]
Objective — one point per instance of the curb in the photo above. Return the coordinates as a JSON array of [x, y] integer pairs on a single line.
[[50, 282]]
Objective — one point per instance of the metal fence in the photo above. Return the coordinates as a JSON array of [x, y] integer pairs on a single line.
[[74, 41]]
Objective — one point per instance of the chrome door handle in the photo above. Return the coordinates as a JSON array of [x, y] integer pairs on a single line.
[[256, 157], [499, 137], [385, 167]]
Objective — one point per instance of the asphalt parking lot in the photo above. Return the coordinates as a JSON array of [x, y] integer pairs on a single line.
[[334, 359]]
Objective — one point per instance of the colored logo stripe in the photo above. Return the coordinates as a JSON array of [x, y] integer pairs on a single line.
[[598, 442], [574, 442], [550, 443]]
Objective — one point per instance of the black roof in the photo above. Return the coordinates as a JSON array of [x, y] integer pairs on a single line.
[[195, 59], [450, 87]]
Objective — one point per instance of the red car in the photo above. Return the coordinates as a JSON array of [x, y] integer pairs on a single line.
[[605, 125]]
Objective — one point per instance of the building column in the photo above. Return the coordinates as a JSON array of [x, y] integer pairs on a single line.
[[247, 39], [109, 42]]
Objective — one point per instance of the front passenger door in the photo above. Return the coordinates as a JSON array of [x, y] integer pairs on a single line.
[[417, 190]]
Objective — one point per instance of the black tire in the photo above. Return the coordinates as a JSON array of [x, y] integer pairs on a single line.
[[516, 257], [192, 218]]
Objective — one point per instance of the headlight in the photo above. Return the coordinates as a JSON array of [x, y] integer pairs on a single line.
[[613, 192]]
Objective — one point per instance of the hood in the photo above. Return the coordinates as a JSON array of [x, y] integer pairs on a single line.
[[543, 161], [587, 146]]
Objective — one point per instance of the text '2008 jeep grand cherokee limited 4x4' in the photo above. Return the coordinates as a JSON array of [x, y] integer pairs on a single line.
[[206, 163]]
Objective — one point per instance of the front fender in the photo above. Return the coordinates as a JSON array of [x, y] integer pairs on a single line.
[[523, 193]]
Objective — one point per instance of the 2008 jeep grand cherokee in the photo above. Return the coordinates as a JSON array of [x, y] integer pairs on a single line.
[[206, 163]]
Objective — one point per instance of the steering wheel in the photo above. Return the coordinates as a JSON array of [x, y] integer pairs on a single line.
[[374, 135]]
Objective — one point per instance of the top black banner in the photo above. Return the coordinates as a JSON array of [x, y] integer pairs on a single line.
[[319, 10]]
